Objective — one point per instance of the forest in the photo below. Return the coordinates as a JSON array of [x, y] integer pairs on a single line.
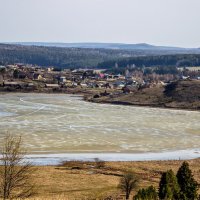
[[62, 57], [178, 60]]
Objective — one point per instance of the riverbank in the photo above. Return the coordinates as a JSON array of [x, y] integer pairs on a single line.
[[184, 95], [177, 95], [55, 159], [83, 180]]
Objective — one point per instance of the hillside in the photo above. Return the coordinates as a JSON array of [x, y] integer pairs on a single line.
[[78, 56], [180, 95]]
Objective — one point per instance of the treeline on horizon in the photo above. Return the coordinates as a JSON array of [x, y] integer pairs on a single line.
[[178, 60], [92, 58]]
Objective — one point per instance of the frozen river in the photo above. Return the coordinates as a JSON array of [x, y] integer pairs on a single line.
[[62, 124]]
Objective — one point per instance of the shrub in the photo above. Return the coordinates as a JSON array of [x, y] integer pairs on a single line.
[[146, 194]]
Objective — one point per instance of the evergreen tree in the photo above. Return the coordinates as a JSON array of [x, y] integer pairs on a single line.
[[168, 186], [146, 194], [187, 183]]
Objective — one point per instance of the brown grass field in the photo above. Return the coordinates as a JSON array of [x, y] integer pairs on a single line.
[[83, 180]]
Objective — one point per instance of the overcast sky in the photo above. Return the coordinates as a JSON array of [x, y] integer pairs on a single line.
[[158, 22]]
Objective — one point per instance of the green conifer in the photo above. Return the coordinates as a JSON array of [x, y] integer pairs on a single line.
[[168, 186], [188, 185]]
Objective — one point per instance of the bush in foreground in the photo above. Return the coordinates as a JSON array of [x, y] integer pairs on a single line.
[[149, 193]]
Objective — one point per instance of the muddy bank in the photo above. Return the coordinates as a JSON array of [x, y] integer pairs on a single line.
[[177, 95]]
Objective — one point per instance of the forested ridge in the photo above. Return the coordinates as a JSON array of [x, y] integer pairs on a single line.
[[178, 60], [92, 57]]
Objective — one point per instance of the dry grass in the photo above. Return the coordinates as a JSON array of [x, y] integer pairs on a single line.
[[72, 184], [87, 182]]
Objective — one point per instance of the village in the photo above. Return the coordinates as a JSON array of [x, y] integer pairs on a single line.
[[31, 78]]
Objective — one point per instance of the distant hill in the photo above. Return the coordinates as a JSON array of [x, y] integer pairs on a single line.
[[140, 46]]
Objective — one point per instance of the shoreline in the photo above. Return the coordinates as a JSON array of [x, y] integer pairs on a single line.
[[84, 96], [143, 105], [57, 158]]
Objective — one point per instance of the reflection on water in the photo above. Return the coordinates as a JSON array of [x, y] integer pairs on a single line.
[[62, 123]]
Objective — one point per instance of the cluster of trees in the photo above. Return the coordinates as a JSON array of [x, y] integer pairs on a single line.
[[59, 57], [181, 186], [166, 63]]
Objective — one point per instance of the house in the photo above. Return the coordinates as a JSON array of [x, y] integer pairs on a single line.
[[31, 85], [130, 88], [119, 76], [101, 76], [50, 69], [93, 85], [83, 85], [108, 77], [37, 76], [74, 83], [52, 86], [118, 84], [77, 74], [13, 84], [185, 77], [62, 79], [22, 75], [68, 83]]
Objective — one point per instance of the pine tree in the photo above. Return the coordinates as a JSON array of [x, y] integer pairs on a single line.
[[187, 183], [168, 186]]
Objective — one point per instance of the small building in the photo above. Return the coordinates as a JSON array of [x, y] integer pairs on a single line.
[[185, 77], [101, 75], [62, 79], [12, 84], [22, 75], [52, 86], [37, 76], [50, 69], [84, 84], [118, 84], [68, 83], [130, 89]]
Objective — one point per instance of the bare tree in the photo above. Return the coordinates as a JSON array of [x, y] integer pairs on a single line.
[[16, 172], [128, 182]]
